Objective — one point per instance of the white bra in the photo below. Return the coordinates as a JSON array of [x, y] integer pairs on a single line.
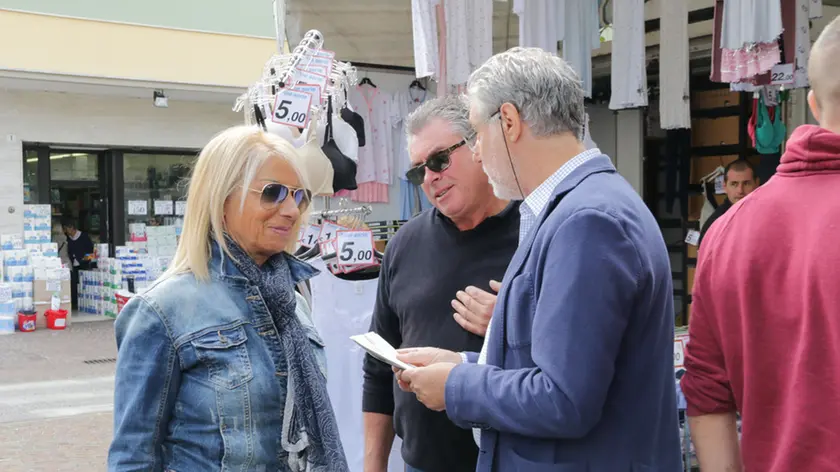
[[313, 163]]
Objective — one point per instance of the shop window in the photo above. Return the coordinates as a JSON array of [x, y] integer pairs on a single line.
[[151, 180], [30, 177], [74, 167]]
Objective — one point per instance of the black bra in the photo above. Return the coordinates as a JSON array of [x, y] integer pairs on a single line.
[[344, 168], [356, 121]]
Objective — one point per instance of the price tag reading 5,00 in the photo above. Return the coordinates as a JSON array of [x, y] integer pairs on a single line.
[[291, 108], [355, 248]]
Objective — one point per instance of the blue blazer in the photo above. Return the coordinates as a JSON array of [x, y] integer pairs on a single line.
[[580, 371]]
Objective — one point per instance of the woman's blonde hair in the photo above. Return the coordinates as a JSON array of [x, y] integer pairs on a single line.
[[229, 161]]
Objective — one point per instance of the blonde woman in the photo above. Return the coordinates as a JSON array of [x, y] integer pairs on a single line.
[[219, 365]]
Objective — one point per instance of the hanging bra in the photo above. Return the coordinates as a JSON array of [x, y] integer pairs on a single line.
[[313, 163], [344, 168], [344, 135], [355, 120], [769, 134]]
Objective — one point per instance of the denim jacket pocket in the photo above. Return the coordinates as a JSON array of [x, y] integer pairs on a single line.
[[225, 355], [318, 348]]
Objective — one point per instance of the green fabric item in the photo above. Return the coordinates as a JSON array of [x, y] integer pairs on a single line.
[[769, 135]]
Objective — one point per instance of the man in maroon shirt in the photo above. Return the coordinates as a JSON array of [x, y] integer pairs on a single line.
[[765, 321]]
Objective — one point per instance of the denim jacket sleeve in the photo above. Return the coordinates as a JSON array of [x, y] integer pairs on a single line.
[[147, 380]]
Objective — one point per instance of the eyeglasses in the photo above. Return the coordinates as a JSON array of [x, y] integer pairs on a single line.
[[272, 195], [437, 162]]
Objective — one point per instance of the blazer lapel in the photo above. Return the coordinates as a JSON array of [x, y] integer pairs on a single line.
[[595, 165]]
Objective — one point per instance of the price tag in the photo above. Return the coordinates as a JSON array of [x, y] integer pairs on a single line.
[[325, 63], [693, 237], [309, 236], [180, 207], [53, 285], [138, 207], [306, 77], [163, 207], [679, 353], [316, 69], [324, 53], [329, 231], [291, 108], [719, 185], [355, 248], [314, 90], [781, 74]]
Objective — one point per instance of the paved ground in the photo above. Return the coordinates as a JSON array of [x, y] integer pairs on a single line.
[[55, 409]]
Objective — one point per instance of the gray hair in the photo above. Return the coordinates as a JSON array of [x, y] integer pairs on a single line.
[[453, 109], [544, 89]]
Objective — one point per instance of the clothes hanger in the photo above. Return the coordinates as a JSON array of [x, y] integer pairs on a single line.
[[367, 81], [417, 84]]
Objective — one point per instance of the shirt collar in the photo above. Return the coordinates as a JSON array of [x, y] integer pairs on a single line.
[[537, 200], [76, 236]]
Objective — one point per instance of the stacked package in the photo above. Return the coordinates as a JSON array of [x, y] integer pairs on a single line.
[[97, 288], [37, 229], [17, 271], [7, 310]]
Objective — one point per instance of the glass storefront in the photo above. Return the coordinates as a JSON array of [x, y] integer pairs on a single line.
[[105, 191], [75, 192], [154, 183], [30, 177]]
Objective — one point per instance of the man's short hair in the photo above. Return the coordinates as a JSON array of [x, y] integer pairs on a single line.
[[67, 222], [738, 166], [824, 65], [451, 108], [545, 90]]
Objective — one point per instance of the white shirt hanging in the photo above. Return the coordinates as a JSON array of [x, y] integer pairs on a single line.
[[425, 31], [674, 101], [628, 55], [375, 108], [541, 23], [750, 21], [457, 42], [340, 309], [582, 36]]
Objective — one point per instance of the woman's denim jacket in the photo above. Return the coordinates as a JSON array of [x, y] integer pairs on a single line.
[[200, 382]]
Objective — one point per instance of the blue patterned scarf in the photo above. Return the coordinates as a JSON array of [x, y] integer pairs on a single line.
[[310, 431]]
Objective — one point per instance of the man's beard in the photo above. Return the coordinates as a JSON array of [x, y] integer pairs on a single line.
[[503, 191]]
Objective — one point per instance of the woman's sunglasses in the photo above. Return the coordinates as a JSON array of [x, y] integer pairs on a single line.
[[437, 162], [272, 195]]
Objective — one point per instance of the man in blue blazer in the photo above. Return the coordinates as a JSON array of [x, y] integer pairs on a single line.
[[576, 373]]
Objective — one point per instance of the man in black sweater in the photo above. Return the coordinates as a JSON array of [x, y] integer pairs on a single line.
[[80, 251], [434, 287]]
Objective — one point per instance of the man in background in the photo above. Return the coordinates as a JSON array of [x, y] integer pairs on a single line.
[[763, 330], [738, 182], [435, 286], [80, 251]]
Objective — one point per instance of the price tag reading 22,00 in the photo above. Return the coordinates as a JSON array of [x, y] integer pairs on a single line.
[[355, 248], [291, 108]]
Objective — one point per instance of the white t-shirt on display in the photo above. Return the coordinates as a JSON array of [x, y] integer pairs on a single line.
[[340, 309]]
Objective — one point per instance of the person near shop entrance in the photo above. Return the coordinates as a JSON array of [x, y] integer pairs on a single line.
[[81, 253], [435, 286], [219, 365], [738, 182], [763, 330], [576, 372]]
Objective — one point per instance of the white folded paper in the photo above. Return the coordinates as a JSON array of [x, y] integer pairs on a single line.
[[380, 349]]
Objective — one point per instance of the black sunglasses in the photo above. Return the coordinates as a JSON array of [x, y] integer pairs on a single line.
[[272, 195], [437, 162]]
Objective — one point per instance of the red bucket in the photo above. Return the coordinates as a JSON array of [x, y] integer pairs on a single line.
[[26, 321], [122, 297], [56, 319]]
